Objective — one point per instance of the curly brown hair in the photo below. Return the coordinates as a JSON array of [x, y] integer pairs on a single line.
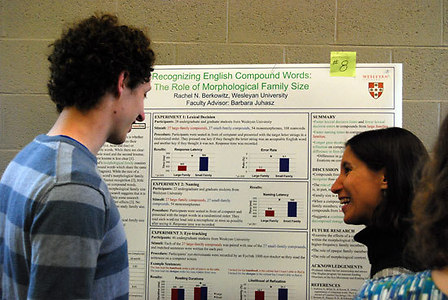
[[430, 207], [86, 61]]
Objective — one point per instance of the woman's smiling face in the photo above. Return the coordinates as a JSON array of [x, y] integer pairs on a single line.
[[359, 189]]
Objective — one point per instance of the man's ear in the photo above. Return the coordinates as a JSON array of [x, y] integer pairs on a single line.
[[121, 84]]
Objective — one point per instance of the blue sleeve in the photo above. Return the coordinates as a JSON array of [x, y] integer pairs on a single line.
[[66, 234]]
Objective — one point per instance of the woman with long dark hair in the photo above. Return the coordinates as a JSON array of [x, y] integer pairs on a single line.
[[430, 240], [375, 187]]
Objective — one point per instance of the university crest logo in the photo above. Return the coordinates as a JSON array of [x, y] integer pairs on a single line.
[[376, 89]]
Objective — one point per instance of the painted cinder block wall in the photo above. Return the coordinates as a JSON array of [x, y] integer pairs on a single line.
[[412, 32]]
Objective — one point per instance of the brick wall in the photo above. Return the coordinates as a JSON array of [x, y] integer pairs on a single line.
[[411, 32]]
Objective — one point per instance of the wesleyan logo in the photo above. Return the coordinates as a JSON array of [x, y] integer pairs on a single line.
[[376, 89]]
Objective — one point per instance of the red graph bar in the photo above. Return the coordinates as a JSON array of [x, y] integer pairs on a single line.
[[197, 293], [269, 213], [259, 295], [182, 168], [174, 294], [260, 170]]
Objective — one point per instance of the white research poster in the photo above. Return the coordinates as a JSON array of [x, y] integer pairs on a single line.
[[224, 189]]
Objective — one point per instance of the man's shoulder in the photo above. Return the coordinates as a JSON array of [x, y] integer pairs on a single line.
[[73, 163], [53, 160], [33, 165]]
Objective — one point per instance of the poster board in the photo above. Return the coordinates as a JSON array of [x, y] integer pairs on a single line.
[[224, 189]]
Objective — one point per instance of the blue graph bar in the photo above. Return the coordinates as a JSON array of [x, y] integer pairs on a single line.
[[292, 209], [284, 165], [203, 163], [282, 294], [181, 294], [204, 293]]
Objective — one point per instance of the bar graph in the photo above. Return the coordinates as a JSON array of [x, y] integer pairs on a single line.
[[282, 294], [269, 163], [177, 294], [233, 163], [277, 207], [261, 291], [188, 163], [201, 293], [184, 290]]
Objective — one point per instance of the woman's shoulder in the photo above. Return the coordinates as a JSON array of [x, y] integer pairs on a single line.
[[404, 286]]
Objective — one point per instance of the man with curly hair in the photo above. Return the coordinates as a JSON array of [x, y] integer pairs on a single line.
[[61, 236]]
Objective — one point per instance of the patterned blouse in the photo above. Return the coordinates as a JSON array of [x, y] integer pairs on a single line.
[[405, 286]]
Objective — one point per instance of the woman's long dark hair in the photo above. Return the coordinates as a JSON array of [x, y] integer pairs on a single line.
[[402, 155]]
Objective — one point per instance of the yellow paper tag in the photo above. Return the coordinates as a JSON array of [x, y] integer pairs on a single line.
[[343, 64]]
